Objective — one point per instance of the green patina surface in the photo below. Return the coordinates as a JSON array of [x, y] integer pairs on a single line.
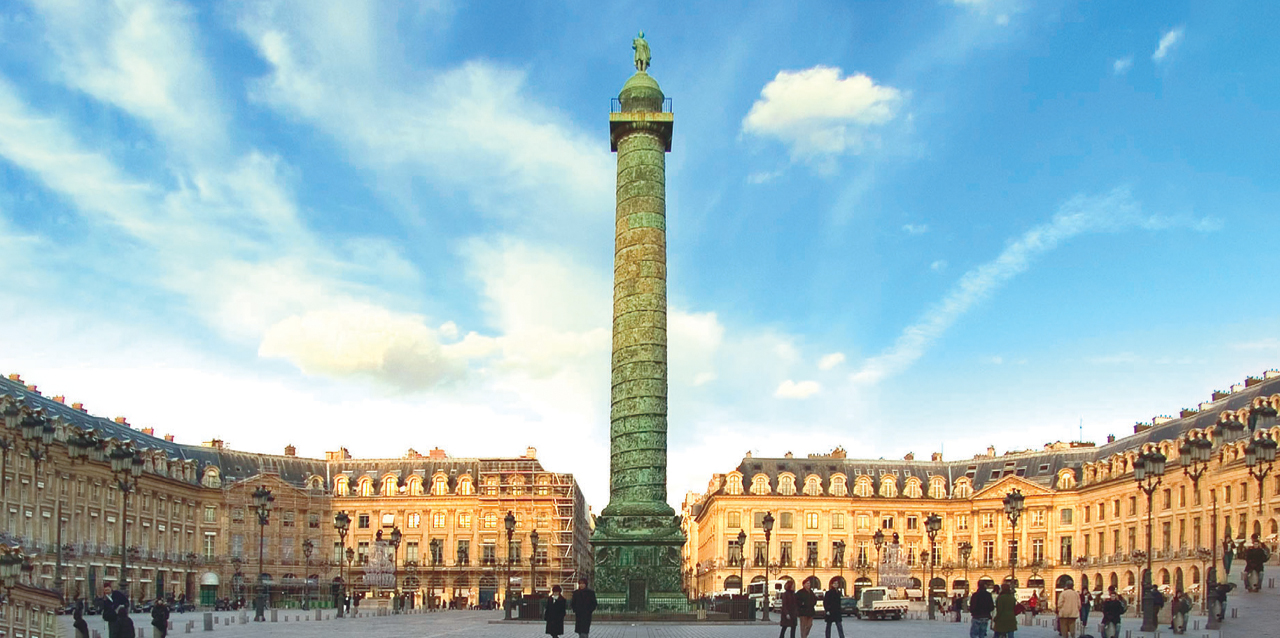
[[638, 539]]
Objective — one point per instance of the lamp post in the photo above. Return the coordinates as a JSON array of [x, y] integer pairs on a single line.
[[533, 562], [1013, 505], [742, 562], [878, 540], [1149, 472], [395, 537], [1194, 453], [966, 550], [126, 466], [262, 500], [767, 523], [840, 559], [341, 523], [933, 525], [307, 548], [510, 523], [1262, 449]]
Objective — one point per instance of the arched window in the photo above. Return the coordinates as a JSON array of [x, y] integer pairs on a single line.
[[937, 487], [733, 484], [912, 489], [341, 485], [517, 485], [366, 486], [889, 486], [316, 482], [787, 484], [838, 486], [812, 485], [1066, 479], [212, 478], [760, 485], [390, 485], [414, 485], [862, 486], [465, 486], [963, 488], [439, 484]]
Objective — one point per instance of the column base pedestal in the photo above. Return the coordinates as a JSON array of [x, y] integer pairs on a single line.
[[638, 561]]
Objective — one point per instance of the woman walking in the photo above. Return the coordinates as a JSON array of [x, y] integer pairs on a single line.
[[554, 613], [790, 610], [1005, 622]]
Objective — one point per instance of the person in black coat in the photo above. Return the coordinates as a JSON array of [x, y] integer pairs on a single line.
[[831, 607], [79, 625], [160, 619], [123, 626], [981, 604], [583, 604], [554, 613]]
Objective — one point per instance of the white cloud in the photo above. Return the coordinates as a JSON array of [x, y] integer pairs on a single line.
[[819, 114], [1122, 65], [830, 361], [1168, 42], [797, 390], [938, 265], [1113, 212], [915, 229]]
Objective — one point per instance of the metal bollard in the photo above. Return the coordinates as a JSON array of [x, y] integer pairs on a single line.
[[208, 621], [273, 615], [317, 614], [1233, 612]]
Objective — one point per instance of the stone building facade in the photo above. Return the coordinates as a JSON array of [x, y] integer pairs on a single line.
[[192, 528], [1084, 516]]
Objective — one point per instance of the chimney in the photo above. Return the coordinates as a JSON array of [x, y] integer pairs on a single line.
[[412, 454], [216, 444], [937, 457], [148, 431], [531, 453], [121, 420], [60, 399], [32, 389], [1141, 427], [1249, 382], [1219, 395], [911, 456], [839, 453], [788, 455], [437, 453], [1234, 387], [1186, 412], [991, 451], [169, 438], [289, 450], [1111, 438], [78, 406], [1271, 374], [748, 455], [15, 377], [1161, 420]]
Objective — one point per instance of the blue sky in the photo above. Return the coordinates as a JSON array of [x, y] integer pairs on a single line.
[[891, 226]]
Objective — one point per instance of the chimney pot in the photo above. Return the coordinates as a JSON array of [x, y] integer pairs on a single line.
[[169, 438], [437, 453], [937, 457], [1111, 438], [15, 377], [60, 399], [911, 456], [148, 431], [78, 406], [289, 450], [32, 389], [121, 420], [531, 453]]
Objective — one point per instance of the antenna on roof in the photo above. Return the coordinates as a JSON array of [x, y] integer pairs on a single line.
[[1081, 439]]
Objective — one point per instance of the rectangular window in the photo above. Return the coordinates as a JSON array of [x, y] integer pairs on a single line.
[[962, 521], [1244, 491], [411, 551], [337, 552], [757, 520], [1065, 516], [734, 553], [363, 521], [988, 552], [733, 520], [1064, 550], [210, 514], [464, 552], [988, 520], [237, 515], [1195, 531], [464, 520], [286, 549], [864, 522], [1087, 549], [288, 520], [313, 521], [1013, 550], [437, 551], [210, 543], [1133, 506], [1115, 513], [1182, 496], [488, 553], [886, 522], [362, 553], [759, 553], [1133, 539], [912, 522], [784, 520], [388, 520], [237, 545], [811, 520], [439, 519], [811, 553], [1037, 518], [413, 520], [786, 553], [1037, 550], [1166, 535], [837, 520], [1226, 493]]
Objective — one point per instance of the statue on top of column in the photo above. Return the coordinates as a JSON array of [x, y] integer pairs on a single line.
[[642, 52]]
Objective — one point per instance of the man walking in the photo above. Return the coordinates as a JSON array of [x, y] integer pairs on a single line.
[[160, 619], [831, 605], [807, 602], [1254, 559], [583, 605], [981, 604], [1068, 611]]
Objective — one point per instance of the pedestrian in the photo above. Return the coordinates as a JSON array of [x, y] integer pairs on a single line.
[[554, 613], [1034, 604], [160, 619], [123, 626], [1086, 605], [79, 625], [789, 611], [1068, 610], [834, 614], [1005, 621], [957, 606], [980, 607], [806, 603], [1179, 609], [584, 604], [1112, 612], [1254, 559]]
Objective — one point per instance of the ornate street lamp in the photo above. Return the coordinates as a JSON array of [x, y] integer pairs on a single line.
[[308, 546], [510, 523], [533, 562], [767, 523], [1149, 472], [12, 563], [1194, 453], [1262, 449], [262, 500], [395, 537], [932, 525], [126, 465], [342, 523], [742, 562], [966, 550], [840, 559], [12, 412], [1013, 506], [878, 540]]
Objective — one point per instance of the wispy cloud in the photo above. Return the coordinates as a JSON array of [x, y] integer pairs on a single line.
[[1121, 66], [915, 229], [819, 114], [830, 361], [1168, 42], [797, 389], [938, 266], [1113, 212]]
